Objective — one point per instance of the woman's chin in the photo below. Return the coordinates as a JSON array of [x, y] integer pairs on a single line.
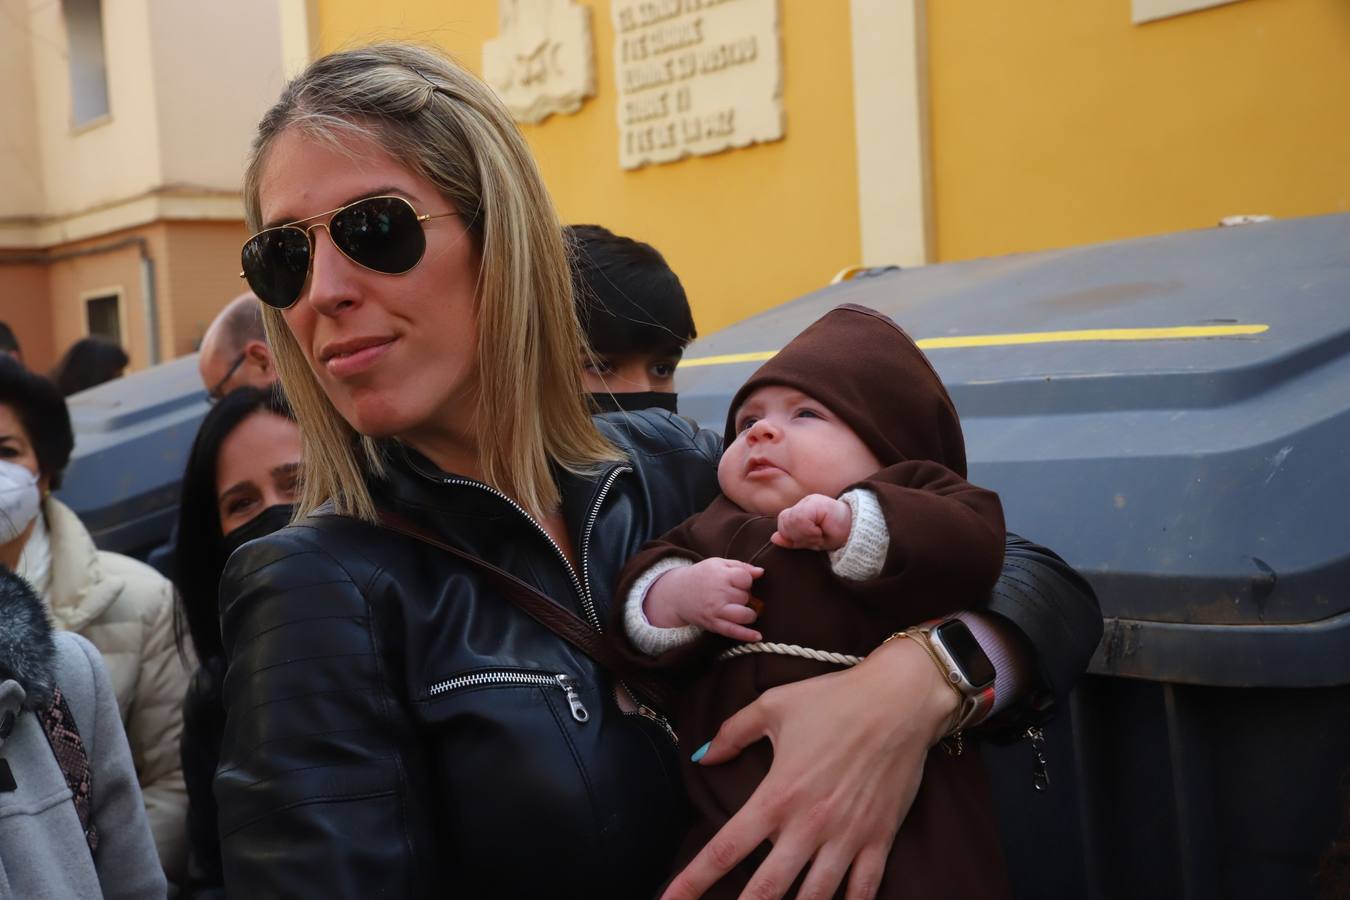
[[378, 416]]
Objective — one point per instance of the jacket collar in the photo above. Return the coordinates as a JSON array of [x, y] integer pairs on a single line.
[[414, 481], [27, 652], [80, 592]]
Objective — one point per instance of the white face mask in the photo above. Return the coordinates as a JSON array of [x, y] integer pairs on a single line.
[[19, 500]]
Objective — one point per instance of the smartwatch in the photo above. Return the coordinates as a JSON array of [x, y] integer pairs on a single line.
[[967, 666]]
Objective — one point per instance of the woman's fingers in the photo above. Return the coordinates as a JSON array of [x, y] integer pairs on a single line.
[[745, 831], [737, 733], [781, 867], [864, 879]]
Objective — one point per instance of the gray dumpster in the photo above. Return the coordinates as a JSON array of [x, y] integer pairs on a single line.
[[1171, 415], [132, 438]]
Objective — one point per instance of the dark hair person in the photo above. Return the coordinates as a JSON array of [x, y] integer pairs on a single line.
[[636, 318], [9, 343], [88, 363], [120, 605], [397, 721], [241, 477]]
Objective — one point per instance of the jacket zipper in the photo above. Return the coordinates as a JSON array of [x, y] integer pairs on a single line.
[[612, 477], [587, 604], [1040, 772], [581, 585], [502, 677]]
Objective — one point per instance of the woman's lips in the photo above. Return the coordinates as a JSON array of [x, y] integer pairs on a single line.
[[345, 365]]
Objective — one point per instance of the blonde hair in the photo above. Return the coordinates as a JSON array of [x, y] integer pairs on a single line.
[[448, 127]]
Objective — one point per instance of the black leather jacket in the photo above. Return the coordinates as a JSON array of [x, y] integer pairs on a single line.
[[396, 729]]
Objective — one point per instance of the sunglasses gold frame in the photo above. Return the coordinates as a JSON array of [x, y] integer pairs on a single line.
[[328, 217]]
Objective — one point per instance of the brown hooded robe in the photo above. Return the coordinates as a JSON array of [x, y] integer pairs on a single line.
[[945, 553]]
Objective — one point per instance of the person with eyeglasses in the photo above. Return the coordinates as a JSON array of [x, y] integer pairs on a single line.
[[420, 702], [234, 351]]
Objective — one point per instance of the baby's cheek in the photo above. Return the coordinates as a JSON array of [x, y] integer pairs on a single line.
[[728, 468]]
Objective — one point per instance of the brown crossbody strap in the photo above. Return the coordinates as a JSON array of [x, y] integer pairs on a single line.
[[552, 615]]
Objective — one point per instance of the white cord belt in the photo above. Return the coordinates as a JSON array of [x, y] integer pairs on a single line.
[[838, 659]]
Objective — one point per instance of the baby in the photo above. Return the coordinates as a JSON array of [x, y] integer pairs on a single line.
[[845, 442]]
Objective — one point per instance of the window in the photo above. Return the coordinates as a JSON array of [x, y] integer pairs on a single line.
[[88, 66], [103, 317]]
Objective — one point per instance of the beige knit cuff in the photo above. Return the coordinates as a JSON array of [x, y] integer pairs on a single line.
[[647, 637], [864, 554]]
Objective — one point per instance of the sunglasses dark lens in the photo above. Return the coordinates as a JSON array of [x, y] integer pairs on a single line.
[[276, 264], [381, 233]]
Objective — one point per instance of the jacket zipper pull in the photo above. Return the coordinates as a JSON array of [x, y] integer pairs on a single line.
[[648, 713], [579, 712], [1040, 775]]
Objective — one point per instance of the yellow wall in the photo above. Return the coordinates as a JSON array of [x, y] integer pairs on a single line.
[[1059, 123], [745, 229]]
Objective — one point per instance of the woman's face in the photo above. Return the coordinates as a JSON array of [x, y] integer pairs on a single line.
[[396, 354], [258, 466], [15, 445]]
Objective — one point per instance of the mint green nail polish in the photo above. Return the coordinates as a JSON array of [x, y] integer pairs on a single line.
[[700, 752]]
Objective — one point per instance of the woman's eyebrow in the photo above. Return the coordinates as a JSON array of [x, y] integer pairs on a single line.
[[384, 191], [284, 469]]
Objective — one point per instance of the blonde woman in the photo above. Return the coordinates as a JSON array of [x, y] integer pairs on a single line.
[[397, 724]]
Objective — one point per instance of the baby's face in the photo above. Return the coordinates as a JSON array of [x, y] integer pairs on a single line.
[[789, 445]]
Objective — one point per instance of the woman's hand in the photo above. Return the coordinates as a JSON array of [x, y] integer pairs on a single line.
[[848, 755]]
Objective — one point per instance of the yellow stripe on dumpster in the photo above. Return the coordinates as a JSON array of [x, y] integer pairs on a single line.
[[1188, 332]]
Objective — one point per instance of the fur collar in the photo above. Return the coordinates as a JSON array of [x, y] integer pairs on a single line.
[[27, 650]]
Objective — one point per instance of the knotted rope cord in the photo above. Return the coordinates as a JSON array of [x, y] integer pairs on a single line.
[[825, 656]]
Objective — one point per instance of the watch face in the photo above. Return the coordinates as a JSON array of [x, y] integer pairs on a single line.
[[966, 652]]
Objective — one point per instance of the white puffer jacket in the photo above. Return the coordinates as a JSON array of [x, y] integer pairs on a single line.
[[125, 609]]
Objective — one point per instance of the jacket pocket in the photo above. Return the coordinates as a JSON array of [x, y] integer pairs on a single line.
[[514, 678]]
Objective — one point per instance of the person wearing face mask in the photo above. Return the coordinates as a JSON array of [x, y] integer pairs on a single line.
[[636, 318], [241, 478], [120, 605]]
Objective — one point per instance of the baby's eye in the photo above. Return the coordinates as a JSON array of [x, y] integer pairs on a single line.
[[745, 424], [807, 413]]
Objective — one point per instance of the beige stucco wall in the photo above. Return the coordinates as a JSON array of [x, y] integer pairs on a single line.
[[23, 306], [21, 190], [71, 281], [101, 163], [200, 273], [187, 83], [217, 68]]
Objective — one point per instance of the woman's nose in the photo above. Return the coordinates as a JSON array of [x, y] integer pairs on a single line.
[[331, 287]]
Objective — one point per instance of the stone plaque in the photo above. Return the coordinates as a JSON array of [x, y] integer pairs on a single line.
[[542, 62], [695, 77]]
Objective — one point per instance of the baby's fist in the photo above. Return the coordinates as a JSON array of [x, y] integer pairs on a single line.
[[713, 594], [815, 522]]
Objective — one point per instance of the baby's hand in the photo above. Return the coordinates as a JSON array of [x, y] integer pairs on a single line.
[[815, 522], [713, 594]]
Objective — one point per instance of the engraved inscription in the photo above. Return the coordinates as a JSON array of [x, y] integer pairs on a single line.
[[543, 61], [695, 77]]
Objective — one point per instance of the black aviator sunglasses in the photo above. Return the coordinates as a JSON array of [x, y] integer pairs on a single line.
[[383, 234]]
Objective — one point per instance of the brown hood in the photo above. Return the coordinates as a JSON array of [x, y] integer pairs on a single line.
[[871, 374]]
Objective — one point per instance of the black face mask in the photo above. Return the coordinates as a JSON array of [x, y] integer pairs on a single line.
[[264, 523], [635, 401]]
